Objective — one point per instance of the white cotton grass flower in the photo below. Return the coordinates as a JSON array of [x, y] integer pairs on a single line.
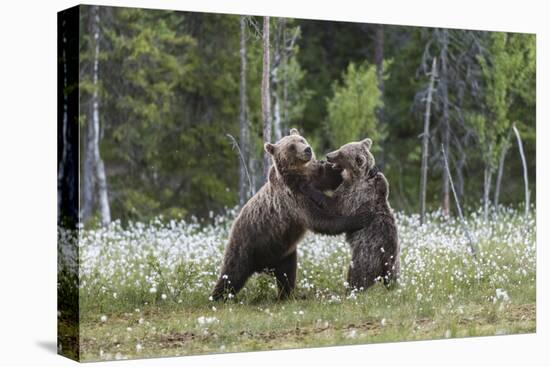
[[206, 321], [383, 322], [502, 295], [103, 318], [434, 257], [139, 347], [163, 296], [352, 334]]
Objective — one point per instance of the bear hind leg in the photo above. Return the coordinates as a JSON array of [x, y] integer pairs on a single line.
[[231, 281], [285, 272]]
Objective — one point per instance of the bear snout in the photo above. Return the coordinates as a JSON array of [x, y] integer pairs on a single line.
[[308, 151]]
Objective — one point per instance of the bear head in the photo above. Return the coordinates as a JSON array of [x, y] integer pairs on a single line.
[[290, 154], [354, 158]]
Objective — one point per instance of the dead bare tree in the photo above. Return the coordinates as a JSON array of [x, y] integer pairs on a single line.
[[469, 235], [379, 62], [457, 77], [501, 161], [446, 133], [243, 125], [248, 184], [266, 105], [283, 49], [425, 139], [524, 163], [278, 51]]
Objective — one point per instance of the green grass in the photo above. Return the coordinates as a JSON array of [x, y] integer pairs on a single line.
[[379, 316], [144, 292]]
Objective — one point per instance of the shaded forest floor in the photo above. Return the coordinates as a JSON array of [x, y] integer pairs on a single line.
[[144, 290]]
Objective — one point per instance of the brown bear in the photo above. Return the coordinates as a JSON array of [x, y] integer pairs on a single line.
[[266, 232], [375, 248]]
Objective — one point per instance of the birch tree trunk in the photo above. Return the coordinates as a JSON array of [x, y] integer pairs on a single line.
[[100, 177], [425, 140], [88, 170], [266, 106], [244, 190], [525, 176], [446, 124]]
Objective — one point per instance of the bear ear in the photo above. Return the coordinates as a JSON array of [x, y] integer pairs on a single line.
[[294, 131], [361, 160], [270, 148], [367, 143]]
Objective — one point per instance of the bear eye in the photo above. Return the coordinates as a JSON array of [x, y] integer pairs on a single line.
[[359, 160], [302, 141], [292, 147]]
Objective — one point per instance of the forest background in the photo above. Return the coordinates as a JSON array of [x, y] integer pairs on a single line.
[[175, 107]]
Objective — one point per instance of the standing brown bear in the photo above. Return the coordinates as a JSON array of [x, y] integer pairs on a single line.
[[265, 234], [375, 247]]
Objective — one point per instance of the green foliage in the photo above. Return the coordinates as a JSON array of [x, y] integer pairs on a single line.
[[508, 74], [298, 96], [169, 95], [352, 109]]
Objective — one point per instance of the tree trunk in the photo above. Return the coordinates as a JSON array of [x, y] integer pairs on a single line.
[[88, 170], [100, 177], [525, 176], [379, 62], [500, 171], [244, 190], [487, 178], [285, 123], [266, 109], [459, 179], [379, 56], [278, 51], [67, 127], [277, 117], [425, 140], [446, 123]]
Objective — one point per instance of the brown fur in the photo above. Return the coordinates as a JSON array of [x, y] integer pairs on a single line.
[[375, 248], [270, 225]]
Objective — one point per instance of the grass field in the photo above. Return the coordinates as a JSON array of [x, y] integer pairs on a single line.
[[144, 289]]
